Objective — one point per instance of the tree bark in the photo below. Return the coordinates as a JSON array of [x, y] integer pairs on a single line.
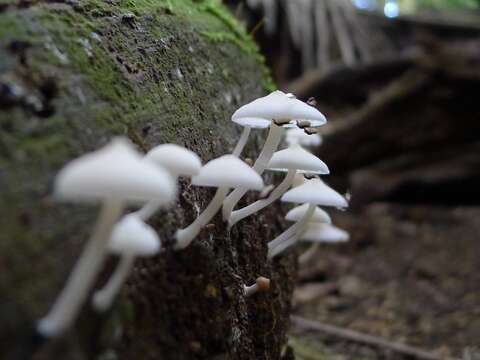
[[72, 75]]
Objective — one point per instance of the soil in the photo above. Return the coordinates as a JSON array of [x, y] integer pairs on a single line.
[[409, 274]]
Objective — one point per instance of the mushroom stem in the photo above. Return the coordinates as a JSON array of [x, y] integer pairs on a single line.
[[250, 290], [308, 254], [103, 298], [271, 144], [242, 141], [290, 236], [66, 307], [258, 205], [149, 209], [186, 235], [282, 247]]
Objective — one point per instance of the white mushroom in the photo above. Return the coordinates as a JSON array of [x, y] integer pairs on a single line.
[[130, 238], [248, 124], [296, 136], [178, 161], [281, 110], [312, 192], [324, 233], [262, 284], [319, 215], [292, 160], [115, 175], [317, 233], [224, 172]]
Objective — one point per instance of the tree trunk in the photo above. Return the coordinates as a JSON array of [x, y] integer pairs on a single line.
[[72, 75]]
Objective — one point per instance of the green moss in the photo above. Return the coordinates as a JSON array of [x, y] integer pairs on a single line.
[[248, 47], [115, 75]]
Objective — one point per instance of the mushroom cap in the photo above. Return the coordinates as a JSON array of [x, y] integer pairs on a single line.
[[295, 157], [263, 283], [319, 215], [132, 236], [175, 158], [318, 232], [277, 105], [253, 122], [315, 191], [303, 111], [115, 171], [228, 171], [298, 136]]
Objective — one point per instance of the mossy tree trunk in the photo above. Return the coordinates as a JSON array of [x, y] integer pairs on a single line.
[[72, 75]]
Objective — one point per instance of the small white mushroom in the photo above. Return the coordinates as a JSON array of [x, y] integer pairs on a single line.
[[317, 233], [280, 109], [178, 161], [312, 192], [225, 172], [296, 136], [324, 233], [319, 215], [115, 175], [292, 160], [262, 284], [248, 124], [130, 238]]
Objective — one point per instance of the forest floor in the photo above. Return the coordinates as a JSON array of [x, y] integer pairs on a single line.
[[409, 275]]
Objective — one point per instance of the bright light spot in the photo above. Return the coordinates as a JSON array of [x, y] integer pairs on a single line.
[[391, 9], [365, 4]]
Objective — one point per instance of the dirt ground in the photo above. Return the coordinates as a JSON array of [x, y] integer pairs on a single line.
[[410, 274]]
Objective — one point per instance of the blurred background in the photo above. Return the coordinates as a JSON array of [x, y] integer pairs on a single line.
[[399, 81]]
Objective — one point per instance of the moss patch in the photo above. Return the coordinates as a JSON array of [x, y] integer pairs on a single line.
[[74, 75]]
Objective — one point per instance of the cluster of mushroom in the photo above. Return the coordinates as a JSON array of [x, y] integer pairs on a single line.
[[119, 176]]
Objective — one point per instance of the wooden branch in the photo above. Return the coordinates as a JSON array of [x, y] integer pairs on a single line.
[[360, 36], [370, 340], [347, 48], [339, 76], [408, 83]]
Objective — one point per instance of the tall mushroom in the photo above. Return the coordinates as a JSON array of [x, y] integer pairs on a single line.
[[313, 192], [281, 110], [292, 160], [319, 216], [178, 161], [130, 238], [117, 176], [224, 172]]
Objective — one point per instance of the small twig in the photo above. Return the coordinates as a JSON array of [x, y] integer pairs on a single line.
[[366, 339], [257, 27], [400, 88]]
